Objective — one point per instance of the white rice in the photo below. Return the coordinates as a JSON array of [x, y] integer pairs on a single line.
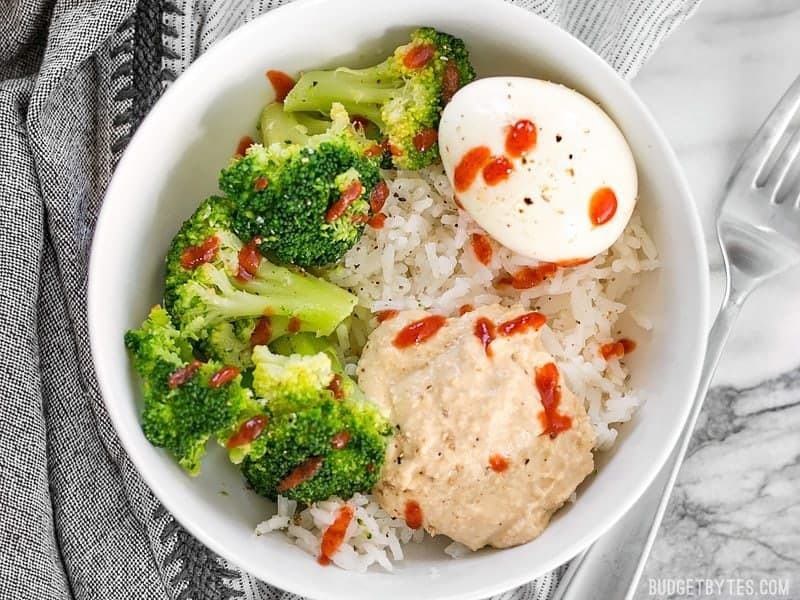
[[373, 537], [422, 258]]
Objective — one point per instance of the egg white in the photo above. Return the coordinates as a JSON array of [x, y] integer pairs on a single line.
[[542, 209]]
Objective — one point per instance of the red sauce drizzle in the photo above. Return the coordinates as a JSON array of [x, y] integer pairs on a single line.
[[294, 325], [485, 331], [378, 196], [498, 463], [260, 184], [425, 139], [458, 202], [450, 81], [529, 276], [419, 56], [617, 349], [552, 421], [244, 143], [262, 332], [602, 206], [465, 308], [182, 375], [333, 537], [482, 248], [574, 262], [281, 83], [522, 323], [413, 514], [335, 386], [385, 315], [248, 431], [417, 332], [349, 195], [249, 260], [521, 138], [466, 171], [377, 221], [223, 376], [497, 170], [302, 472], [374, 150], [340, 440], [194, 256]]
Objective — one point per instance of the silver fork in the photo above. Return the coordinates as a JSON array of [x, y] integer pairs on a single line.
[[758, 228]]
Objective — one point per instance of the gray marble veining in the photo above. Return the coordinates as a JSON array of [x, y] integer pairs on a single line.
[[734, 520]]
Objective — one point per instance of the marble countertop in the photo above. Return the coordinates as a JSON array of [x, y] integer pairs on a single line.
[[735, 513]]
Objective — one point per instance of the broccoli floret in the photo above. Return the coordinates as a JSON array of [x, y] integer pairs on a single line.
[[404, 95], [186, 402], [304, 195], [315, 446], [276, 376], [157, 345], [213, 278], [198, 240], [306, 344], [232, 342]]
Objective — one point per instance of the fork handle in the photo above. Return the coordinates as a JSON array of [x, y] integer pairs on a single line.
[[613, 565]]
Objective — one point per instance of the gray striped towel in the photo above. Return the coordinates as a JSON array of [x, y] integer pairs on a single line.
[[76, 79]]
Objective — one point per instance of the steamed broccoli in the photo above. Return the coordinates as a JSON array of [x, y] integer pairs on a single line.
[[303, 194], [307, 344], [316, 445], [220, 291], [186, 402], [404, 95]]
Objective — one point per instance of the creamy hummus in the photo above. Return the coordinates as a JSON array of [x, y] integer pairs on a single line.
[[476, 454]]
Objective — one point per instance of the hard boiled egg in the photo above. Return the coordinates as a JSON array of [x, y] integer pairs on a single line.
[[539, 166]]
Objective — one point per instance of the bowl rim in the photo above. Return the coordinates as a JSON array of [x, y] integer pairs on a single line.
[[95, 300]]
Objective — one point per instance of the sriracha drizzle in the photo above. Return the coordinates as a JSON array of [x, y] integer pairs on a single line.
[[552, 421], [419, 331], [281, 83], [333, 537], [602, 206], [521, 138], [349, 195], [497, 170], [466, 171], [485, 332], [498, 463], [248, 431], [482, 248], [413, 514], [194, 256]]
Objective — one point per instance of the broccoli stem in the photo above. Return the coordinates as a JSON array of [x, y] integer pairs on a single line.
[[360, 91], [318, 305], [300, 287], [279, 126]]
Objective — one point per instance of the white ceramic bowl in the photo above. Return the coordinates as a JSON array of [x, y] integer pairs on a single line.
[[172, 163]]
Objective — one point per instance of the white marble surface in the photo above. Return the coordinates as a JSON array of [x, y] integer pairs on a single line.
[[736, 511]]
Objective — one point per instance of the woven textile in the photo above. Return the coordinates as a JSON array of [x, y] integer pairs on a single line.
[[76, 78]]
